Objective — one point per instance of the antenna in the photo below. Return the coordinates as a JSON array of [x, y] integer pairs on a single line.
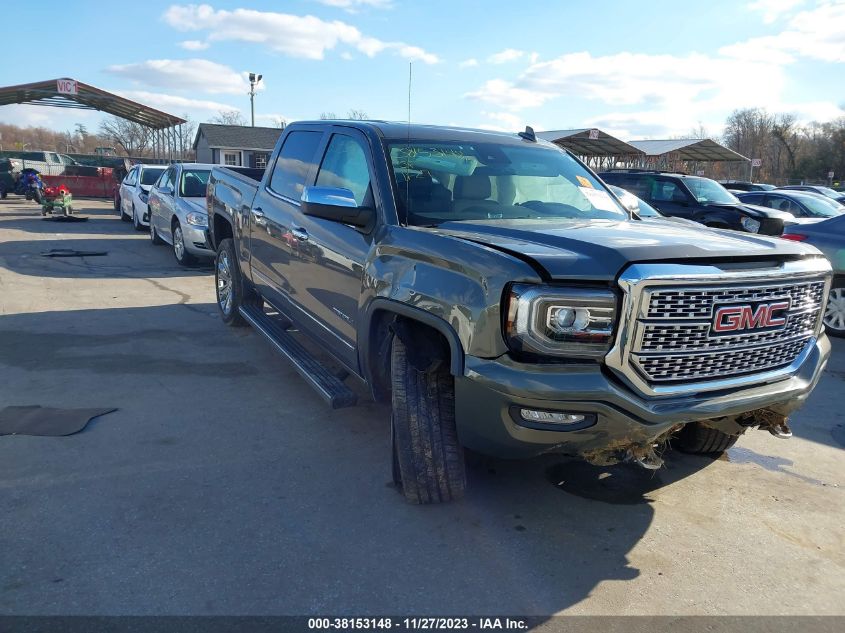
[[408, 146]]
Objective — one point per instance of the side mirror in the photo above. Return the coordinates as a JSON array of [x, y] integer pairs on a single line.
[[336, 204], [167, 191]]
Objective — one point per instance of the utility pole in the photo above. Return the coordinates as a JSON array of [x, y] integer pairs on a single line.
[[253, 79]]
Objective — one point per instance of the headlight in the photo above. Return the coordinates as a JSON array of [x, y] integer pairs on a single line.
[[197, 219], [144, 196], [575, 322], [750, 224]]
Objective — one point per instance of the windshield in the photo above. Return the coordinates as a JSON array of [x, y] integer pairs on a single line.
[[820, 207], [645, 210], [193, 182], [150, 175], [705, 190], [441, 181], [830, 193]]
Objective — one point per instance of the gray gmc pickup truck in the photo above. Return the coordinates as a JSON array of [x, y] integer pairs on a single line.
[[495, 292]]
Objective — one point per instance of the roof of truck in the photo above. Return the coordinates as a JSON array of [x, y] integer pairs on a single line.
[[402, 130]]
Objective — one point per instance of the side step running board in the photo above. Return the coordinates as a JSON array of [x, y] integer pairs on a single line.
[[329, 386]]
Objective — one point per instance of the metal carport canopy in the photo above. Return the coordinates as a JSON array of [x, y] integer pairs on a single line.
[[579, 143], [87, 97], [690, 149]]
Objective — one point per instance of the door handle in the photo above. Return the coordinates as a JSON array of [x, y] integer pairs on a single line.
[[300, 234]]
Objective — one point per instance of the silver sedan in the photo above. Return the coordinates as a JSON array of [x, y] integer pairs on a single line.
[[177, 212]]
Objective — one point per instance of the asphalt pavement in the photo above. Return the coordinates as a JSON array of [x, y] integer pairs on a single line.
[[224, 485]]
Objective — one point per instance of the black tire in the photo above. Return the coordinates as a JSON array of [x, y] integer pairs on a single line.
[[37, 196], [154, 238], [699, 439], [834, 322], [117, 204], [135, 223], [180, 250], [227, 260], [429, 458]]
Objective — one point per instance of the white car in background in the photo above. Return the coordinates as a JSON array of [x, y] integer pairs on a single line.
[[131, 201]]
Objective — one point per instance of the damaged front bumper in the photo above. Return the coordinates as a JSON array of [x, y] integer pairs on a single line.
[[491, 393]]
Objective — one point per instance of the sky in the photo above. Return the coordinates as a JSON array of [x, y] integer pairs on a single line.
[[652, 69]]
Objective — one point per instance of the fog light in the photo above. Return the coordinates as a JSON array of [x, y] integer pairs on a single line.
[[551, 417]]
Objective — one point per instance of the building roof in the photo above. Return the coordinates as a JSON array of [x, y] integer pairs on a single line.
[[87, 97], [691, 149], [238, 136], [580, 143]]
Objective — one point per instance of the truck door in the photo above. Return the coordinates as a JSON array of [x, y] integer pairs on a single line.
[[272, 245], [328, 257], [670, 198]]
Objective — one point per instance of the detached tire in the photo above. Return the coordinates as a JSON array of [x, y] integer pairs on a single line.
[[428, 459], [702, 440]]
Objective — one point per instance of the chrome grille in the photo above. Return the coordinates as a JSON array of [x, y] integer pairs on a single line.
[[673, 340]]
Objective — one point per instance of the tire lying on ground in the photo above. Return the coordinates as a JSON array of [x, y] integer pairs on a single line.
[[699, 439], [428, 460]]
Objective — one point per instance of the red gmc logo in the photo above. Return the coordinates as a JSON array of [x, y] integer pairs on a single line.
[[750, 317]]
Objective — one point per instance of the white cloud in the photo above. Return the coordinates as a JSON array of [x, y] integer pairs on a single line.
[[468, 63], [173, 103], [306, 37], [504, 94], [352, 6], [184, 74], [535, 57], [773, 9], [194, 45], [346, 55], [507, 55], [817, 33], [504, 121]]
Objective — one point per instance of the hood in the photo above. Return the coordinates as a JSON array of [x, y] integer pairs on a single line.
[[756, 211], [804, 221], [197, 205], [600, 249]]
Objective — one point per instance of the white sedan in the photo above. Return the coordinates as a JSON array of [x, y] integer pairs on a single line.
[[132, 197]]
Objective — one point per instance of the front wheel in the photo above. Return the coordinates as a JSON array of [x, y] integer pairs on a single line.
[[834, 314], [154, 238], [135, 222], [428, 459], [37, 196], [180, 250], [229, 284], [703, 440]]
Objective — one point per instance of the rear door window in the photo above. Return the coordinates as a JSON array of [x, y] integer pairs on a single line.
[[295, 162]]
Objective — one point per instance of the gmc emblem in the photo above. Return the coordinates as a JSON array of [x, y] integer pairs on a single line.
[[745, 317]]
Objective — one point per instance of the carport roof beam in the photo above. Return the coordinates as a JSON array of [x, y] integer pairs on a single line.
[[579, 143], [690, 149], [87, 97]]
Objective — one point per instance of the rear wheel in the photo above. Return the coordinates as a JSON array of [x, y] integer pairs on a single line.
[[428, 460], [834, 314], [135, 222], [117, 204], [703, 440], [37, 196]]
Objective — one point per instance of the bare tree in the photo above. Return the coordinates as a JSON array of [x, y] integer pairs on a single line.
[[229, 117], [280, 122], [357, 115], [327, 116], [133, 137]]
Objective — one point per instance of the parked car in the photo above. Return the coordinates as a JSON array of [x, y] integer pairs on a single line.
[[699, 199], [132, 197], [10, 168], [799, 203], [643, 209], [825, 191], [829, 237], [178, 214], [744, 185], [494, 292]]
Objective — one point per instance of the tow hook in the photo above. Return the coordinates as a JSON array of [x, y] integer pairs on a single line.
[[780, 430], [647, 458]]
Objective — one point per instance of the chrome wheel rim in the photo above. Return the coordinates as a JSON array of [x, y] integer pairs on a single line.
[[224, 283], [834, 314], [178, 243]]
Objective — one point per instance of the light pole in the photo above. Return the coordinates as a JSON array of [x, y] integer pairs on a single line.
[[253, 79]]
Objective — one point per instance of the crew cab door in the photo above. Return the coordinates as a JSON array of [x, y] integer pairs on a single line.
[[327, 262], [670, 198], [272, 245]]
